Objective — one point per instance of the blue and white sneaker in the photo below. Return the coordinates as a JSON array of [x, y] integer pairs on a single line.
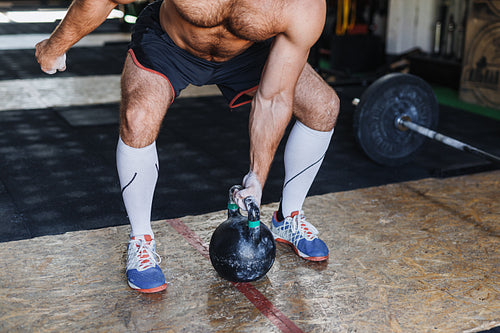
[[143, 271], [301, 235]]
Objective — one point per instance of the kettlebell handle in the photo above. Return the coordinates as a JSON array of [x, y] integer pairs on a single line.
[[253, 211], [250, 204], [233, 189]]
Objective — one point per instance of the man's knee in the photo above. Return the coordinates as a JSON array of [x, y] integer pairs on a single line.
[[327, 110], [332, 109], [137, 128]]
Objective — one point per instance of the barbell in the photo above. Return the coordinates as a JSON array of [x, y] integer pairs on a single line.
[[394, 116]]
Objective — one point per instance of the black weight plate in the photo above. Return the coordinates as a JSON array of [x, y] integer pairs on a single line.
[[374, 118]]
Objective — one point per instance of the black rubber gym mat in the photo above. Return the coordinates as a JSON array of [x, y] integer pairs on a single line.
[[90, 116], [13, 28], [81, 61], [58, 177]]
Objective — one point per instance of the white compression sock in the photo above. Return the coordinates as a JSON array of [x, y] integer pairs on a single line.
[[304, 153], [138, 173]]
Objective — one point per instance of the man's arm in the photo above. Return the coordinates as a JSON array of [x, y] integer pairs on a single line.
[[83, 17], [272, 105]]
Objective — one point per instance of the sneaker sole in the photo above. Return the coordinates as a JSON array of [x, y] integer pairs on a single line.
[[300, 254], [148, 291]]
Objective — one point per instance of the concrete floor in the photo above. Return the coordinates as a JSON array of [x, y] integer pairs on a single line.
[[420, 256]]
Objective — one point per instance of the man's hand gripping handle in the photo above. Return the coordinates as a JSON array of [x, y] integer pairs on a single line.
[[251, 187]]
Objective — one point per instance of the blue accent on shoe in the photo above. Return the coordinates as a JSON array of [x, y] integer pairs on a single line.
[[148, 279], [301, 235], [143, 272]]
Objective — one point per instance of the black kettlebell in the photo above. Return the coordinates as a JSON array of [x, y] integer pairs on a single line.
[[242, 249]]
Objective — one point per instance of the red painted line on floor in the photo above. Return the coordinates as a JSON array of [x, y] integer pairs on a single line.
[[190, 236], [254, 296], [267, 308]]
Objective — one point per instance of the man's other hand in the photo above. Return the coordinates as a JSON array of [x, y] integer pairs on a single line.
[[49, 63]]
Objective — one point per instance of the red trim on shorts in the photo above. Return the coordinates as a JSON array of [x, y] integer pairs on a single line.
[[134, 59], [233, 106]]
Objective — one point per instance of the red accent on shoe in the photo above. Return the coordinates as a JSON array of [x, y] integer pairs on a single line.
[[153, 290], [276, 217], [281, 240], [147, 238]]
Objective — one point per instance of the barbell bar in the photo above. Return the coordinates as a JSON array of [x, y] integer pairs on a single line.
[[404, 123], [393, 117]]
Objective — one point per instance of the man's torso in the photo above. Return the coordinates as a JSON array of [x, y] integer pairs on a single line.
[[218, 30]]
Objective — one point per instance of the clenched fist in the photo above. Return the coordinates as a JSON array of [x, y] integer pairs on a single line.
[[49, 62]]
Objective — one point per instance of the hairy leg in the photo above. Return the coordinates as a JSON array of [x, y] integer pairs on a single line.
[[145, 99], [316, 104], [316, 108]]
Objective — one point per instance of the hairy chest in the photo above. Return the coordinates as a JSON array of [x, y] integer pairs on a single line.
[[253, 20]]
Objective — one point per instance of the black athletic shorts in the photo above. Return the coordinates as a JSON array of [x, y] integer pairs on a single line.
[[152, 49]]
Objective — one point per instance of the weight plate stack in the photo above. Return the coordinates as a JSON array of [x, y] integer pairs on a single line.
[[388, 98]]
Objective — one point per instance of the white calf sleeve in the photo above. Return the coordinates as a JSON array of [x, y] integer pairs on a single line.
[[304, 153], [138, 173]]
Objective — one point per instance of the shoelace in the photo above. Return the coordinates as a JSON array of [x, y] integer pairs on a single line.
[[299, 223], [145, 257]]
